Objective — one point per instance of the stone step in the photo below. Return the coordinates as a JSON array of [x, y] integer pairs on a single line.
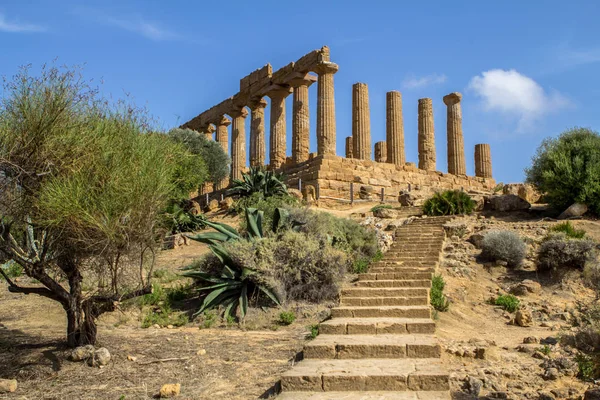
[[372, 346], [404, 264], [422, 283], [366, 375], [385, 301], [384, 292], [401, 269], [378, 395], [377, 326], [381, 311], [381, 276]]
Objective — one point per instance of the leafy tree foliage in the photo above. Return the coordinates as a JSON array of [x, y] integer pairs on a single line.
[[216, 160], [83, 184], [567, 169]]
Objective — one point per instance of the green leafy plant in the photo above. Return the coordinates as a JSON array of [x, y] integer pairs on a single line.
[[181, 219], [378, 256], [503, 246], [545, 350], [163, 316], [313, 331], [381, 206], [11, 269], [210, 319], [259, 180], [287, 317], [436, 295], [269, 206], [567, 169], [449, 202], [568, 229], [508, 302], [587, 369]]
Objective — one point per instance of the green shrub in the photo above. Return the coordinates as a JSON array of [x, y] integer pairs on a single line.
[[210, 319], [267, 205], [436, 295], [152, 299], [508, 302], [503, 246], [567, 169], [179, 293], [450, 202], [568, 229], [381, 206], [11, 269], [378, 256], [163, 316], [360, 266], [587, 367], [179, 218], [559, 252], [259, 180], [313, 331], [287, 317]]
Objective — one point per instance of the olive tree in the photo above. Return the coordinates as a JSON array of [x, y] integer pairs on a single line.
[[567, 169], [83, 184]]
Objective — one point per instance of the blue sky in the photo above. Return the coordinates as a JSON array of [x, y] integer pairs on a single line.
[[526, 69]]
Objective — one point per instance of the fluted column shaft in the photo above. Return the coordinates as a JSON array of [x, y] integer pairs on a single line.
[[394, 128], [325, 108], [361, 122], [238, 143], [222, 137], [381, 151], [456, 146], [426, 135], [257, 133], [300, 124], [349, 150], [483, 161], [278, 128]]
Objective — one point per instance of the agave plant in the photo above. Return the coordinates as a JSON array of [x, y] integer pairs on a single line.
[[232, 287], [259, 180], [181, 220]]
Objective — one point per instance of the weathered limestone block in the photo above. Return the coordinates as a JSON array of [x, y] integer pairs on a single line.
[[257, 133], [238, 143], [483, 161], [380, 152], [349, 149], [361, 122], [394, 128], [325, 108], [456, 146], [426, 135], [278, 126]]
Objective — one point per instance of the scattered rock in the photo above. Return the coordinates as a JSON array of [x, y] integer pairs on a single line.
[[526, 287], [82, 353], [550, 340], [592, 394], [226, 203], [366, 192], [545, 396], [523, 318], [100, 357], [201, 352], [132, 358], [170, 390], [212, 205], [472, 386], [194, 208], [476, 239], [8, 385], [551, 374], [386, 213], [528, 193], [531, 340], [507, 202], [406, 199], [574, 210]]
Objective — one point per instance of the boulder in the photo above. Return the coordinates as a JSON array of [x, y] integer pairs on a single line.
[[507, 202], [523, 318], [8, 385], [212, 205], [592, 394], [406, 199], [476, 239], [82, 353], [226, 203], [528, 193], [366, 192], [574, 210], [295, 193], [526, 287], [386, 213], [170, 390], [100, 357]]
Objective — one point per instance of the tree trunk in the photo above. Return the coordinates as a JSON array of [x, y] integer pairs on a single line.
[[81, 325]]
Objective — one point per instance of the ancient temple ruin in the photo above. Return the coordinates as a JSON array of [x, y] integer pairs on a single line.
[[333, 174]]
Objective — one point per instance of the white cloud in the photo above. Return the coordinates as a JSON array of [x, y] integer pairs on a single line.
[[147, 29], [18, 27], [512, 93], [417, 82]]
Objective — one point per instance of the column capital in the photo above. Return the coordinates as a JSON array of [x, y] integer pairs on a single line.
[[326, 67], [296, 79], [224, 121], [210, 129], [258, 102], [238, 112], [452, 98], [278, 91]]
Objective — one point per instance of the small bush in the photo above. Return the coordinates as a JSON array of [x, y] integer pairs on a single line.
[[559, 252], [378, 256], [436, 295], [360, 266], [587, 368], [163, 316], [381, 206], [11, 269], [210, 319], [545, 350], [287, 317], [450, 202], [314, 331], [568, 229], [152, 299], [503, 246], [268, 205], [508, 302]]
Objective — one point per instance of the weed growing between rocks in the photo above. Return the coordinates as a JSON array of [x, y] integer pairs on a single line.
[[508, 302], [287, 317], [436, 295], [569, 230]]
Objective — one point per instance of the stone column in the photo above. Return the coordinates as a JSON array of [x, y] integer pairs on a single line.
[[301, 119], [257, 133], [349, 152], [394, 128], [381, 151], [209, 132], [483, 161], [278, 125], [222, 138], [426, 135], [456, 146], [238, 143], [325, 108], [361, 122]]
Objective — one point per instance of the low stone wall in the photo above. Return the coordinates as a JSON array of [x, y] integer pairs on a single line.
[[334, 174]]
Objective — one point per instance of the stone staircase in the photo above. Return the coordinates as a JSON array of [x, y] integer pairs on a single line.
[[379, 343]]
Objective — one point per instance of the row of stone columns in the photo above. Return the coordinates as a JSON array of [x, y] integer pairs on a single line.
[[359, 144]]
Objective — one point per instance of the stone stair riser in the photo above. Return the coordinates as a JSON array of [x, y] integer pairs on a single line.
[[377, 328], [385, 301], [344, 352], [419, 283], [376, 312]]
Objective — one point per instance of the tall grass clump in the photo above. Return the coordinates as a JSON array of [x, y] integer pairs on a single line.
[[569, 230], [449, 202]]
